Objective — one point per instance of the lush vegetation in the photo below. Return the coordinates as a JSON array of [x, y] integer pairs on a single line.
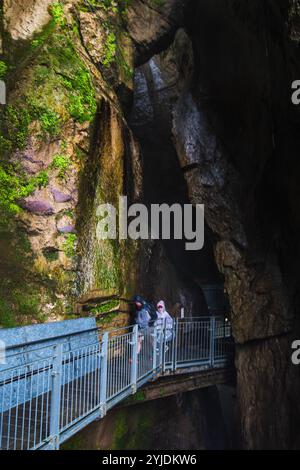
[[61, 163], [57, 13], [59, 88], [13, 188], [3, 69], [54, 87], [105, 307], [114, 26], [70, 245], [20, 308]]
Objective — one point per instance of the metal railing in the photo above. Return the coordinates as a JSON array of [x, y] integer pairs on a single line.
[[50, 393]]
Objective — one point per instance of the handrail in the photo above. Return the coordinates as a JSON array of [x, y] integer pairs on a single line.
[[47, 400], [45, 340], [91, 330]]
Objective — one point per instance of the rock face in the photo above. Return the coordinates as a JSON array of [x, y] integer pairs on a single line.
[[159, 425], [152, 25], [62, 128], [238, 153], [207, 119], [22, 19], [230, 137]]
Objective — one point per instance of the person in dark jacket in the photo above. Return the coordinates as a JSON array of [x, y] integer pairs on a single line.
[[143, 310], [145, 317], [142, 315]]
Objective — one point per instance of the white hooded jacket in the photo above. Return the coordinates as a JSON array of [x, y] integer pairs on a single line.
[[163, 316]]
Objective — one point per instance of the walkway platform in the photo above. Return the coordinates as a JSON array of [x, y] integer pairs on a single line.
[[60, 377]]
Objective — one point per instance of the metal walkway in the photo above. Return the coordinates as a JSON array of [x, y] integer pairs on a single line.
[[53, 387]]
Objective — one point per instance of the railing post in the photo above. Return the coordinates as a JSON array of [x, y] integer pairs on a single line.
[[154, 364], [103, 374], [212, 341], [163, 345], [55, 397], [134, 359], [175, 344]]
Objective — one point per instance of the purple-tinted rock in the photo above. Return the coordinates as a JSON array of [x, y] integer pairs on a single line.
[[59, 196], [31, 165], [66, 229], [75, 195], [38, 207]]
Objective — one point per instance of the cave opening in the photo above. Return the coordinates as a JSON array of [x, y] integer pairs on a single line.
[[194, 273]]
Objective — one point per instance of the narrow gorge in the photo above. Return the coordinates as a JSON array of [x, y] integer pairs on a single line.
[[164, 101]]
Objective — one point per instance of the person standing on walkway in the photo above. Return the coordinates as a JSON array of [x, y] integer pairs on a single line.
[[142, 318], [164, 319]]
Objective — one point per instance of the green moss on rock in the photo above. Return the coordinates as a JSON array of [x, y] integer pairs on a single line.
[[3, 69], [61, 163], [107, 267], [69, 245], [16, 185], [56, 86], [51, 255], [57, 12], [21, 292], [75, 443], [124, 437], [105, 307]]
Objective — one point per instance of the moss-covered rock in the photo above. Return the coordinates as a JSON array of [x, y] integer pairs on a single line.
[[50, 107], [51, 148]]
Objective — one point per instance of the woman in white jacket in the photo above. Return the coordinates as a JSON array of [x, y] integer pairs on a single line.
[[164, 318]]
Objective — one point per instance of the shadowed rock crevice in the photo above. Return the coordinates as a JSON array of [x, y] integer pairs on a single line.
[[244, 149], [235, 136], [164, 183], [206, 118]]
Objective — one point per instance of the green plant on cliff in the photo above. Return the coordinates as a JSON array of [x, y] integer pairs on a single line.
[[120, 430], [82, 103], [15, 122], [7, 318], [61, 162], [110, 48], [51, 255], [67, 75], [3, 69], [114, 27], [138, 397], [105, 307], [69, 245], [105, 321], [40, 180], [107, 266], [58, 88], [14, 186], [50, 121], [27, 305], [57, 12], [52, 87], [58, 83], [114, 54], [21, 307], [107, 5], [14, 127]]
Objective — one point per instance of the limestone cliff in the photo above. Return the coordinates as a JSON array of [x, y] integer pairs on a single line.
[[65, 148], [185, 100]]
